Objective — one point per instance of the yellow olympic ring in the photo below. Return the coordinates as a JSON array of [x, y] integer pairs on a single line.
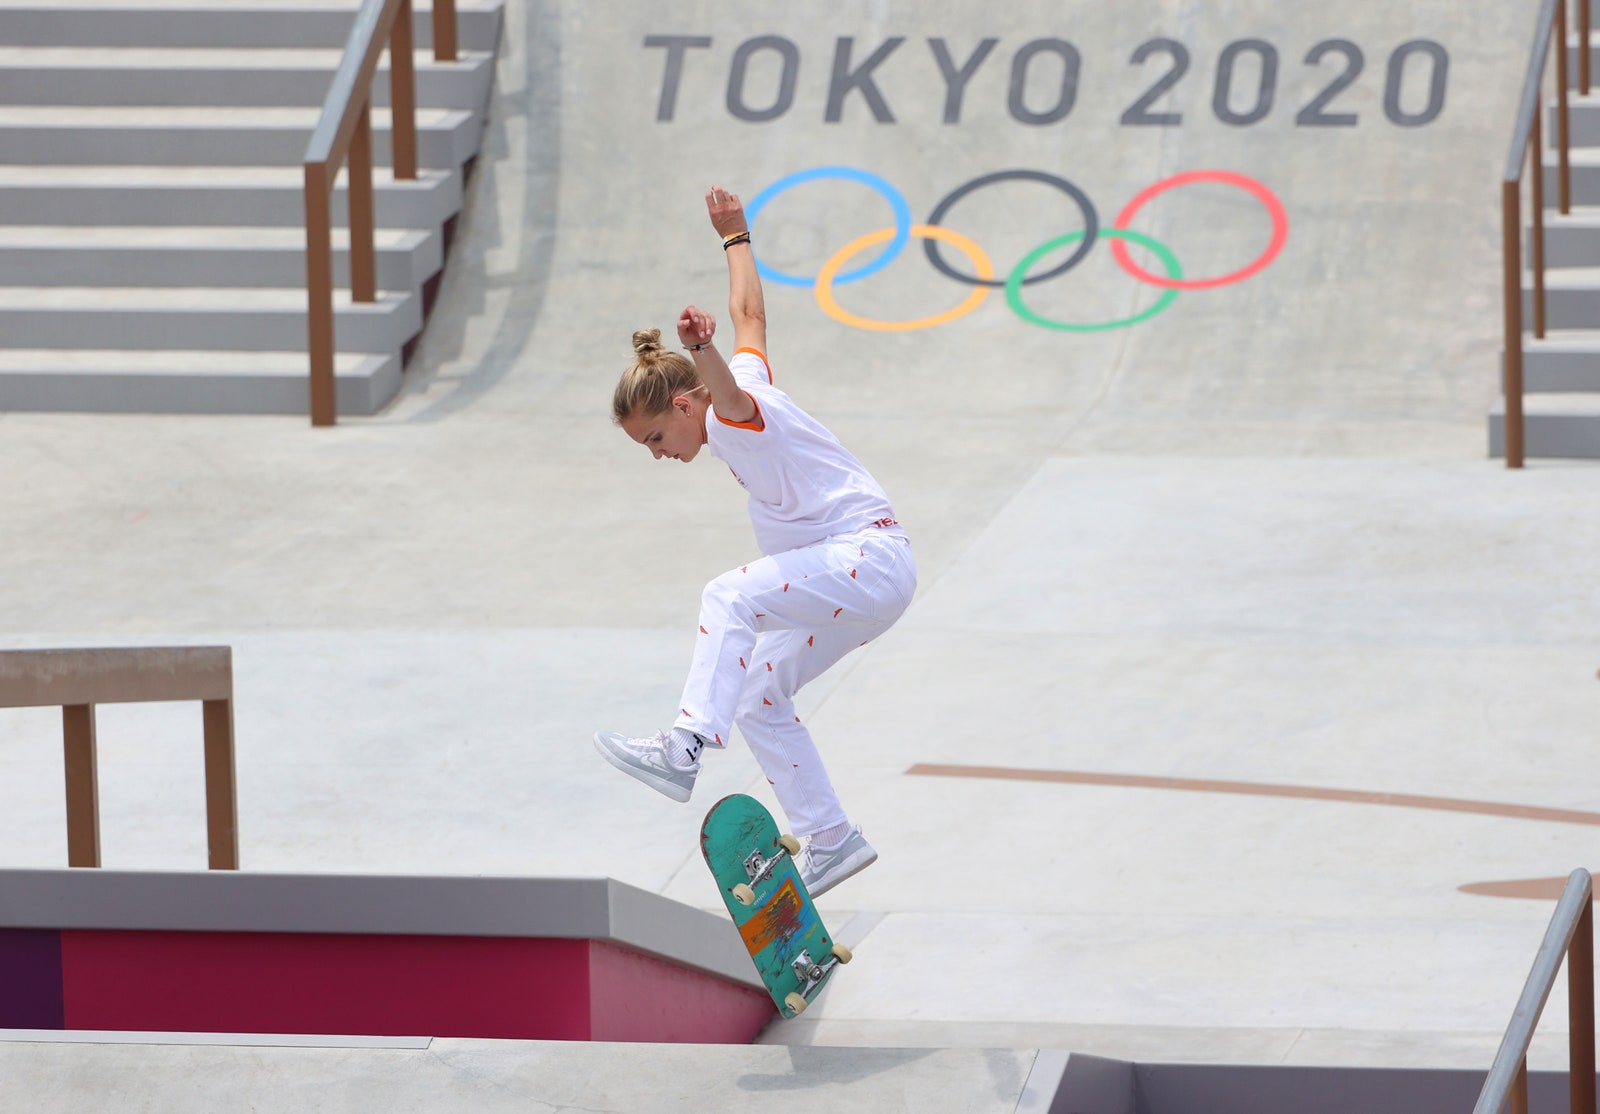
[[831, 307]]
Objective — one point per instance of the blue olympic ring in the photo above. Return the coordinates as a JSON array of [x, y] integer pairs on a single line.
[[902, 221]]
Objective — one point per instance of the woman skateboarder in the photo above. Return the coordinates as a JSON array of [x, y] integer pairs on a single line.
[[837, 570]]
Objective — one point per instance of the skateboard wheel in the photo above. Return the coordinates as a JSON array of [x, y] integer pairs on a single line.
[[796, 1003], [842, 953], [790, 844], [743, 894]]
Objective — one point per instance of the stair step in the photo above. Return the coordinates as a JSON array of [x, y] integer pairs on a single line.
[[224, 23], [1565, 361], [156, 318], [1571, 298], [1585, 165], [186, 136], [210, 195], [191, 382], [1583, 118], [1570, 239], [197, 76], [1568, 278], [1564, 426], [1575, 49], [215, 257]]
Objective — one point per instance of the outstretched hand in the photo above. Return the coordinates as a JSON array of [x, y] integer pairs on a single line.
[[695, 326], [727, 212]]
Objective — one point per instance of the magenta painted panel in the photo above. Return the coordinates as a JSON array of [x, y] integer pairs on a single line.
[[636, 997], [247, 982], [30, 979]]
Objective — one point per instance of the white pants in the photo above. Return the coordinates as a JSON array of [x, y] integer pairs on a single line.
[[769, 627]]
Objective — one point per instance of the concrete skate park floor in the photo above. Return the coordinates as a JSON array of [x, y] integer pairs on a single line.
[[1250, 544]]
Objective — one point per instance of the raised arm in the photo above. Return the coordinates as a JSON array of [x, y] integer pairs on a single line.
[[731, 401], [746, 306]]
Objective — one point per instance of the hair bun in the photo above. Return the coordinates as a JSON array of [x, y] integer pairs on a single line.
[[646, 341]]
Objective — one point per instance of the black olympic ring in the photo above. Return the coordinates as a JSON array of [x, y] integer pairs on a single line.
[[1091, 225]]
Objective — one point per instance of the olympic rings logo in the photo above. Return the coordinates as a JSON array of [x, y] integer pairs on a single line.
[[982, 276]]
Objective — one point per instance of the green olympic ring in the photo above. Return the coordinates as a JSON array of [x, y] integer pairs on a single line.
[[1162, 252]]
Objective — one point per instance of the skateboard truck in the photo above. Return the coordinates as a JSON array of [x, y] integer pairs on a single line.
[[810, 972], [758, 867], [812, 975]]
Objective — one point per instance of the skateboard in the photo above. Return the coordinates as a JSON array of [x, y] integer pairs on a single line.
[[760, 884]]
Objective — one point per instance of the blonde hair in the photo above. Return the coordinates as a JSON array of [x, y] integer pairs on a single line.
[[653, 380]]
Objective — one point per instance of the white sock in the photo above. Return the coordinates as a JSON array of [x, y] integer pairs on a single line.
[[683, 747], [829, 838]]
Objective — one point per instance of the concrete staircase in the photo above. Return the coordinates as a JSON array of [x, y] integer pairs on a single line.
[[1561, 371], [152, 241]]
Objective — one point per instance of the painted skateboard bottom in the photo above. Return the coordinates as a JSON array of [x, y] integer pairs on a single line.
[[755, 871]]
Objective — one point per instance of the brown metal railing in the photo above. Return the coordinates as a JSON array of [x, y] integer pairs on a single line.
[[344, 134], [1527, 147], [77, 680], [1571, 934]]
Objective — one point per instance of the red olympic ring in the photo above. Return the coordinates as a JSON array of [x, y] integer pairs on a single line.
[[1274, 207]]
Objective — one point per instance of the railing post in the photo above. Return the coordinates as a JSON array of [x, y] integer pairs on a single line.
[[1583, 47], [222, 797], [1536, 244], [1563, 117], [83, 785], [403, 95], [319, 295], [363, 264], [444, 30], [1511, 251], [1580, 1014]]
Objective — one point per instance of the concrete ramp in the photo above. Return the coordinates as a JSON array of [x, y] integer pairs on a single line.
[[1242, 226]]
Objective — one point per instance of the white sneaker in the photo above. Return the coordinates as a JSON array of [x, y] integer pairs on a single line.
[[646, 759], [822, 868]]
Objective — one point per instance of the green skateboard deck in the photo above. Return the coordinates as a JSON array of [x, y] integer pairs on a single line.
[[760, 884]]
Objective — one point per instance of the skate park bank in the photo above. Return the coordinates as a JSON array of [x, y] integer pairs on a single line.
[[1243, 531]]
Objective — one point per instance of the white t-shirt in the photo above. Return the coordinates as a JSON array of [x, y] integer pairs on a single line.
[[804, 485]]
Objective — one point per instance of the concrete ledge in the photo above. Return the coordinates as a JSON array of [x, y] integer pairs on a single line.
[[245, 901], [223, 951]]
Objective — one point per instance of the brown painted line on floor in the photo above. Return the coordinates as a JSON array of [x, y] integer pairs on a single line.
[[1538, 889], [1257, 789]]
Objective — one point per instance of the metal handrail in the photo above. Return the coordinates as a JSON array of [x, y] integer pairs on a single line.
[[1570, 935], [344, 133], [1527, 146]]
